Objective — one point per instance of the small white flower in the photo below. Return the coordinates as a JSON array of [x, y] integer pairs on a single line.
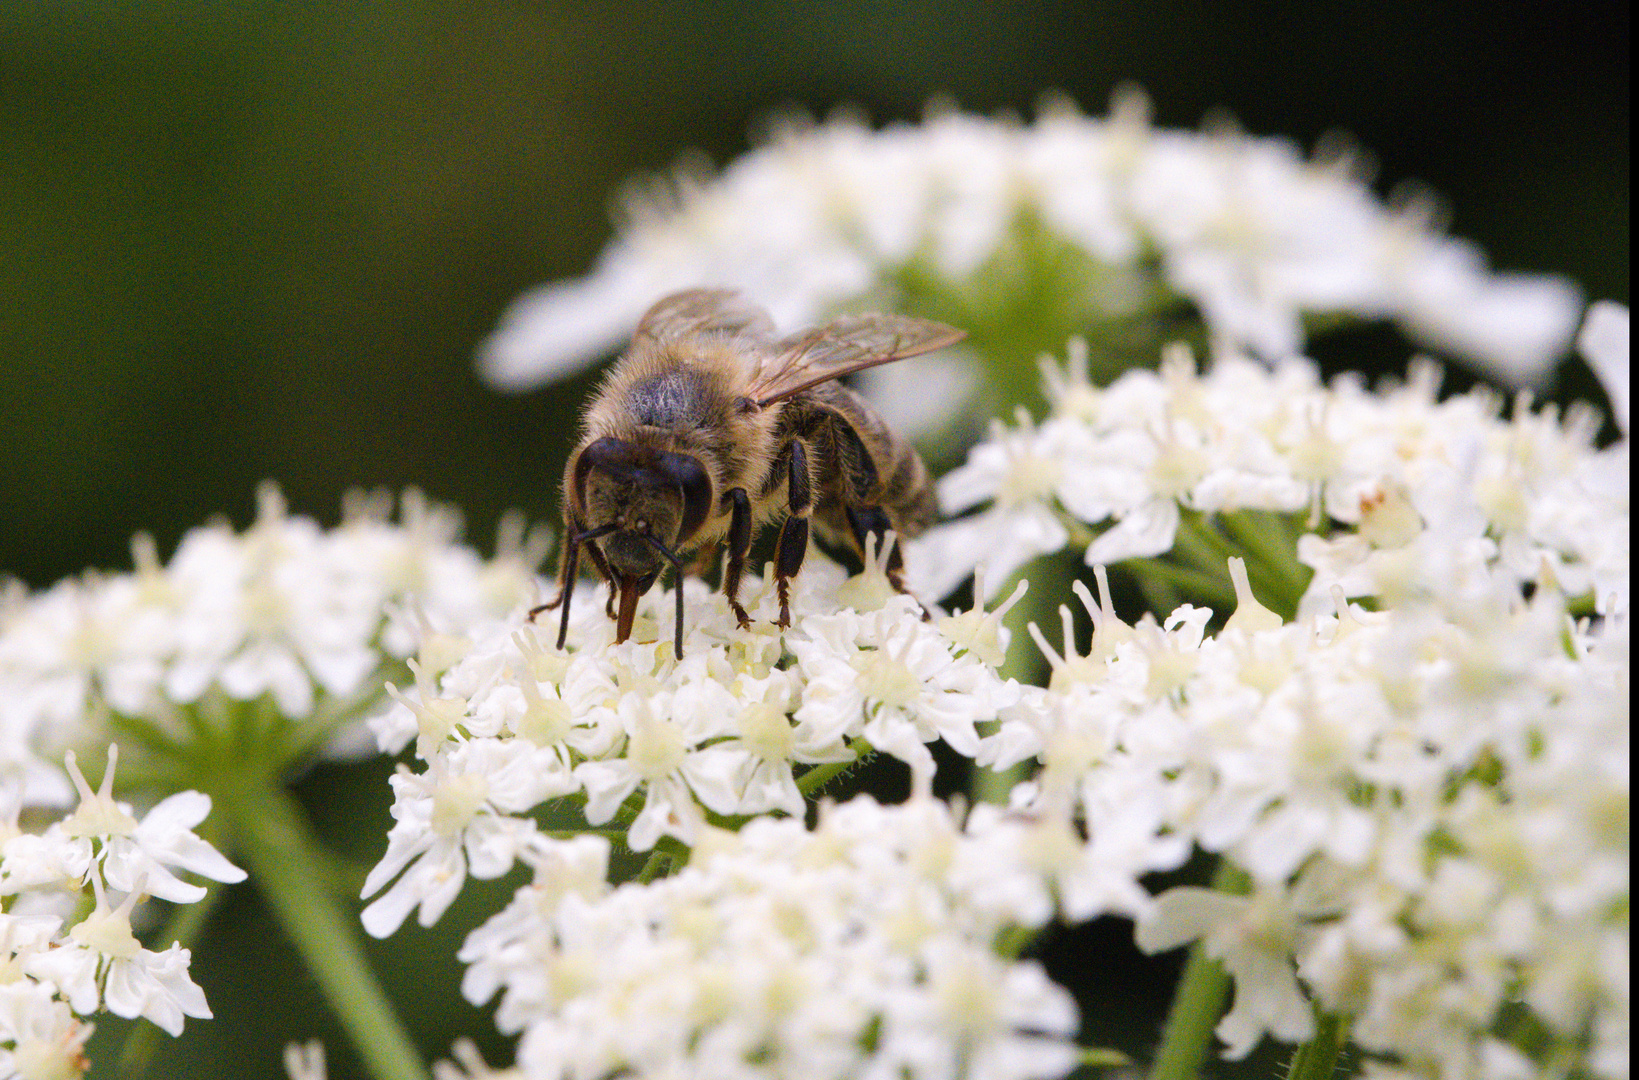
[[454, 819], [1254, 938], [102, 839], [103, 961], [39, 1035]]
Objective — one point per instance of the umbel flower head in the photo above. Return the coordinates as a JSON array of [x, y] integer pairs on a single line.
[[1365, 473], [68, 956], [1422, 796], [1249, 232], [284, 613], [657, 746], [245, 656]]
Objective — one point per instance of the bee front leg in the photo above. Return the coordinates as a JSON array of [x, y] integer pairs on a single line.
[[602, 566], [793, 546], [739, 544], [566, 566]]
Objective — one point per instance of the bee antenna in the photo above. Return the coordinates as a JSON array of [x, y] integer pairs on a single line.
[[570, 572], [677, 565]]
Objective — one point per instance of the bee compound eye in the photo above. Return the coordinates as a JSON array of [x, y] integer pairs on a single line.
[[694, 488]]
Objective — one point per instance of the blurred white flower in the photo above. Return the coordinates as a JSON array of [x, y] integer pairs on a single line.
[[1246, 228], [1604, 343], [306, 617], [846, 950], [39, 1035], [305, 1061]]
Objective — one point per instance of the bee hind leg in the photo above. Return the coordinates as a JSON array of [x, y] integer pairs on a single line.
[[793, 546], [739, 544], [869, 521]]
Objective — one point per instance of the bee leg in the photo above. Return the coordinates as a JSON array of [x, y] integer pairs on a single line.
[[703, 561], [602, 566], [739, 544], [566, 567], [793, 546], [566, 573], [873, 521]]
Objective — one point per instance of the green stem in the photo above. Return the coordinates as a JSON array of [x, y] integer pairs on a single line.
[[1202, 544], [1277, 579], [570, 834], [1265, 538], [1199, 1000], [1317, 1058], [1196, 1006], [275, 841], [651, 869], [1212, 589], [820, 775], [1014, 940]]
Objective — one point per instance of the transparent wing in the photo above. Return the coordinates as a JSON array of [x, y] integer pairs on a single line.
[[697, 311], [850, 343]]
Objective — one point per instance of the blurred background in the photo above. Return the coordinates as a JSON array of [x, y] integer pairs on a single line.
[[262, 239]]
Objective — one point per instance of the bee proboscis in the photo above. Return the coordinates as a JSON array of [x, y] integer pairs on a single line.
[[709, 427]]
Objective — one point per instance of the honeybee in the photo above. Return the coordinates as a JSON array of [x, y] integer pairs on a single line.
[[710, 427]]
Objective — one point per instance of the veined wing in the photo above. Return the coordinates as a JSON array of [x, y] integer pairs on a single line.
[[699, 311], [849, 343]]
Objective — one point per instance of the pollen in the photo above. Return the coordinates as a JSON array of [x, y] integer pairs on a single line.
[[887, 679], [1030, 478], [656, 748], [456, 801], [767, 732]]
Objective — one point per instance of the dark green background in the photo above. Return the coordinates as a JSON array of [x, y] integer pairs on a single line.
[[261, 239]]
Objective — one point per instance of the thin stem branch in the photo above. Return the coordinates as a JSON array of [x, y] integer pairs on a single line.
[[658, 860], [1199, 1000], [1317, 1058], [820, 775]]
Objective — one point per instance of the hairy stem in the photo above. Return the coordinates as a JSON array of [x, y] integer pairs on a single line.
[[1199, 1000], [1317, 1058]]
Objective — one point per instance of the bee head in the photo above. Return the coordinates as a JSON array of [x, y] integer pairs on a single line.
[[650, 502]]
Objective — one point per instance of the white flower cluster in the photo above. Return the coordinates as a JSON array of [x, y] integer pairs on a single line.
[[284, 610], [1389, 465], [58, 971], [1430, 800], [863, 948], [655, 745], [1431, 803], [286, 614], [1255, 236]]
